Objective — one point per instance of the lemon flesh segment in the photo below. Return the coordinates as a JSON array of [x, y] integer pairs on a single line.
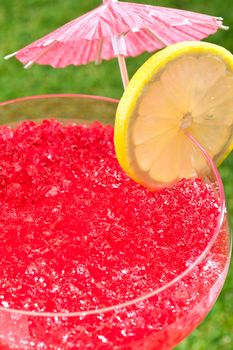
[[186, 88]]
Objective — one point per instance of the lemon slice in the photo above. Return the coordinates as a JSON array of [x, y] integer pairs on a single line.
[[184, 89]]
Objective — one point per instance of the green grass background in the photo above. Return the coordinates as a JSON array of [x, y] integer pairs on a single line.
[[23, 21]]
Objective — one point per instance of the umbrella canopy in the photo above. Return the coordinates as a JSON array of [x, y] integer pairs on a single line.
[[117, 29]]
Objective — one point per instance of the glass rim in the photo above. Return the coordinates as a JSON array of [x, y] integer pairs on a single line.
[[47, 96], [222, 210]]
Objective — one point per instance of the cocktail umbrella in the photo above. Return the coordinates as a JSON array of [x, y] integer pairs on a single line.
[[117, 29]]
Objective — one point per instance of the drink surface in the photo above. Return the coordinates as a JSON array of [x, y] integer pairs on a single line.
[[77, 234]]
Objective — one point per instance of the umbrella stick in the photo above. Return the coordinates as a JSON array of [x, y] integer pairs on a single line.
[[99, 51], [11, 55], [123, 70]]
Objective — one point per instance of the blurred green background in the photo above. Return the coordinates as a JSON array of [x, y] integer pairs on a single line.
[[23, 21]]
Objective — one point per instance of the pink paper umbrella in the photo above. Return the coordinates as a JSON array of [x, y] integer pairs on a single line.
[[117, 29]]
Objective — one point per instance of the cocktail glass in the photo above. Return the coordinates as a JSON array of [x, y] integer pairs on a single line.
[[142, 323]]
